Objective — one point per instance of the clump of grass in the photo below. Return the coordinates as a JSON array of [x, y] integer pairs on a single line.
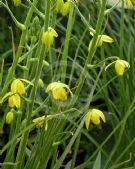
[[61, 77]]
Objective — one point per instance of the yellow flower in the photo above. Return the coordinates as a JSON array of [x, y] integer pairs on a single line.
[[14, 101], [17, 2], [121, 66], [41, 83], [9, 117], [65, 8], [59, 90], [101, 39], [130, 3], [95, 116], [17, 87], [59, 5], [48, 37]]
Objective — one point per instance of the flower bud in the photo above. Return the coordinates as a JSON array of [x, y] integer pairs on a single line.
[[17, 87], [48, 37], [9, 117], [130, 3], [39, 121], [65, 8], [41, 83], [121, 66], [17, 2], [59, 5]]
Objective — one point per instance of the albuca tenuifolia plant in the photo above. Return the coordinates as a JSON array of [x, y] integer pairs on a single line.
[[65, 99]]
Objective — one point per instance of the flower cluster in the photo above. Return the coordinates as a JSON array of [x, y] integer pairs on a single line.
[[63, 7]]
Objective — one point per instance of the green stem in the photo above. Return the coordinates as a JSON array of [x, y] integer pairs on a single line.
[[60, 161], [21, 152], [18, 24], [75, 151], [66, 46], [91, 51]]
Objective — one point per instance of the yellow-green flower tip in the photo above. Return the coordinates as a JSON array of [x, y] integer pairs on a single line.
[[48, 37], [17, 87], [65, 8], [14, 101], [17, 2], [59, 5], [121, 66], [9, 117], [39, 121], [130, 3], [95, 116], [41, 83], [58, 90]]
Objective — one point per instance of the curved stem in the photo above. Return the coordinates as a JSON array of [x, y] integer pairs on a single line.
[[91, 51], [66, 46]]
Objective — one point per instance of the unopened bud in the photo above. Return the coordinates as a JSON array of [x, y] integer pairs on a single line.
[[9, 117]]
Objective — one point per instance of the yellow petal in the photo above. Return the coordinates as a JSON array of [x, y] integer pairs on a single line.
[[96, 115], [53, 32], [9, 117], [129, 3], [87, 120], [60, 94], [47, 39], [56, 85], [106, 38], [5, 97], [17, 87], [59, 5], [99, 41], [121, 66], [65, 9], [14, 101]]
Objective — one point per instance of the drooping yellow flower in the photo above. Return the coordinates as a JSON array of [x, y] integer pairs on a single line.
[[17, 2], [58, 90], [59, 5], [130, 3], [121, 66], [48, 37], [17, 87], [101, 39], [95, 116], [14, 101], [9, 117], [65, 8]]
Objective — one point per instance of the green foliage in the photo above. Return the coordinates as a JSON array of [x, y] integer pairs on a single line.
[[48, 129]]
